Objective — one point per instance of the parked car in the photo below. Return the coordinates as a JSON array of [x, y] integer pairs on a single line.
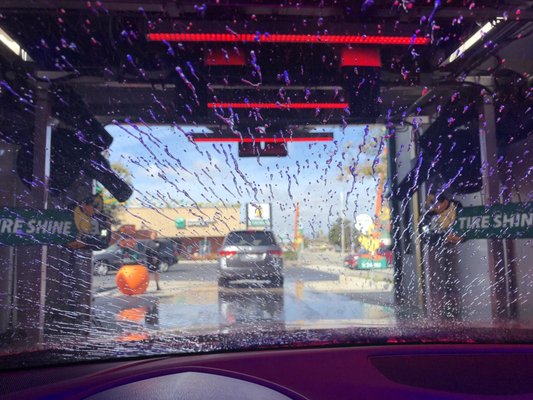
[[351, 261], [388, 256], [114, 256], [250, 255], [168, 254]]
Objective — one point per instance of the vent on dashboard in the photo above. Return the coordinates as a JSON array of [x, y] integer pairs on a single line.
[[479, 374]]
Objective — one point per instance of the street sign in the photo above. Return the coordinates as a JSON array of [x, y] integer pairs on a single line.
[[363, 223], [369, 263], [501, 221], [258, 215], [30, 226], [199, 222], [180, 223]]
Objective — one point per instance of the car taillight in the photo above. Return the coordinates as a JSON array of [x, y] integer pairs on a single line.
[[226, 253], [277, 253]]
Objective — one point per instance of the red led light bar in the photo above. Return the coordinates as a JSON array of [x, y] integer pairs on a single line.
[[361, 56], [279, 105], [284, 38], [262, 140]]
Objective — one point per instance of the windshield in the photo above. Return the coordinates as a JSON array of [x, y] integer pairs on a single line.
[[318, 173]]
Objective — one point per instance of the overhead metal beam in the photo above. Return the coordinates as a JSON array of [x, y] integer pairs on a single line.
[[476, 14], [172, 9]]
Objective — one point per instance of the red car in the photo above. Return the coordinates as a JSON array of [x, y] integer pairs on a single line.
[[351, 261]]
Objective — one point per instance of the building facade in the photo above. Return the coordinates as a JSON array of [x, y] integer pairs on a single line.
[[198, 231]]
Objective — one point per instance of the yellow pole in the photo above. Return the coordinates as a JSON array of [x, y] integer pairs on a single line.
[[418, 249], [296, 216]]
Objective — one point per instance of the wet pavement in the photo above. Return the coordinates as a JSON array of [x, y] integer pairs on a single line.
[[317, 296]]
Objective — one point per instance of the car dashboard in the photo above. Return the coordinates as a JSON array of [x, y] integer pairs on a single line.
[[437, 371]]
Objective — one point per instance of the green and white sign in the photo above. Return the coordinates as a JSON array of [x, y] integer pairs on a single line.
[[20, 226], [25, 226], [507, 221], [199, 222], [368, 263], [182, 223]]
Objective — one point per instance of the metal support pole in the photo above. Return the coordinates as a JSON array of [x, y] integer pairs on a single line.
[[512, 285], [271, 217], [342, 225], [398, 248], [420, 273], [8, 197], [31, 260], [491, 195], [351, 238]]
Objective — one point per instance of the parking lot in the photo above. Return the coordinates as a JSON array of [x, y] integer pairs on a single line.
[[318, 292]]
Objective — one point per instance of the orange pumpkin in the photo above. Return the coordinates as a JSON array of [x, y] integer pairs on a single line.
[[132, 279]]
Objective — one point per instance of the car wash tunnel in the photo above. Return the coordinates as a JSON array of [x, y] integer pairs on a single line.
[[259, 85]]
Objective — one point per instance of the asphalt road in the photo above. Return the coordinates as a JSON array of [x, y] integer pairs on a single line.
[[314, 295], [207, 271]]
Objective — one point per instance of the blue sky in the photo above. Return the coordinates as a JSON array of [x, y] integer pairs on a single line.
[[166, 167]]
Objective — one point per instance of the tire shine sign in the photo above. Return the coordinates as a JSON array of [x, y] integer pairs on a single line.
[[81, 228], [500, 221]]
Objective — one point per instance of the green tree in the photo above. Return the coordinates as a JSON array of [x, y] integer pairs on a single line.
[[334, 234], [368, 159]]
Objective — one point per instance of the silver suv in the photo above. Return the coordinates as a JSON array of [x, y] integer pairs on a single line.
[[250, 255]]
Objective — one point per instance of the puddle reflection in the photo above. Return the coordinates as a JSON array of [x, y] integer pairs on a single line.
[[257, 308], [209, 309]]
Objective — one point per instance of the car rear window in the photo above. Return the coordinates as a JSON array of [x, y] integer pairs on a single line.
[[250, 239], [167, 248]]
